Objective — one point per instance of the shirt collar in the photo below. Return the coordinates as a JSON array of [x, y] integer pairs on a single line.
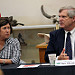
[[72, 31], [9, 40]]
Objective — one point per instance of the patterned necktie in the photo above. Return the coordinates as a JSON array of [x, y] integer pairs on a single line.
[[68, 49]]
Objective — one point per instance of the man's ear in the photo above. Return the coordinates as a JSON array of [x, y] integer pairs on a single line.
[[74, 18]]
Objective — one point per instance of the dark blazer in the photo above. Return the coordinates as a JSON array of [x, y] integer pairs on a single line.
[[56, 43]]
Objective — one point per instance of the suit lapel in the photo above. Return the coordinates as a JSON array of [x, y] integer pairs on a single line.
[[61, 40]]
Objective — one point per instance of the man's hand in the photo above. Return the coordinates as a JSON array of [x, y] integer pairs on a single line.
[[63, 55]]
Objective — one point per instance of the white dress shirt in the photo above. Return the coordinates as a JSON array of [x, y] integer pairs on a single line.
[[72, 36]]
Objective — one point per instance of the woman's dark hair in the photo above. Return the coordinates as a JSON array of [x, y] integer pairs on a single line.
[[4, 21]]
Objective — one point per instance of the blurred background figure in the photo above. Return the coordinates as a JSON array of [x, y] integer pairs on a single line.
[[1, 72], [0, 14]]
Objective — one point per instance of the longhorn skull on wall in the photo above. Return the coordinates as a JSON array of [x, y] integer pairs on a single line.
[[53, 17]]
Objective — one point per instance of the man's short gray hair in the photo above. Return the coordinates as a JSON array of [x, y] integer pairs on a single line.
[[71, 10]]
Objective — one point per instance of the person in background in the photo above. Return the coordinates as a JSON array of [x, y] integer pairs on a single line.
[[0, 14], [9, 47], [58, 38], [1, 72]]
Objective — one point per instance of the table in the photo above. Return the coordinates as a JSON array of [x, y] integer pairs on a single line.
[[41, 70], [42, 48]]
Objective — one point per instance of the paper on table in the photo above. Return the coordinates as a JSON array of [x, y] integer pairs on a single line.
[[46, 64], [28, 66]]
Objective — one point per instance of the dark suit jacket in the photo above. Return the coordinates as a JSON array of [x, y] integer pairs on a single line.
[[56, 43]]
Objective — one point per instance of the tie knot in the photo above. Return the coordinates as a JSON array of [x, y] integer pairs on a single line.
[[68, 33]]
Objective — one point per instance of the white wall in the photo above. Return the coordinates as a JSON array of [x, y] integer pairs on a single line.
[[29, 12]]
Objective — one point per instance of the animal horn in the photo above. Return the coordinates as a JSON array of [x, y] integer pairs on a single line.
[[45, 14]]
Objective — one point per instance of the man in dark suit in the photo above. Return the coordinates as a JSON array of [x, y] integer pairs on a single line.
[[58, 37]]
